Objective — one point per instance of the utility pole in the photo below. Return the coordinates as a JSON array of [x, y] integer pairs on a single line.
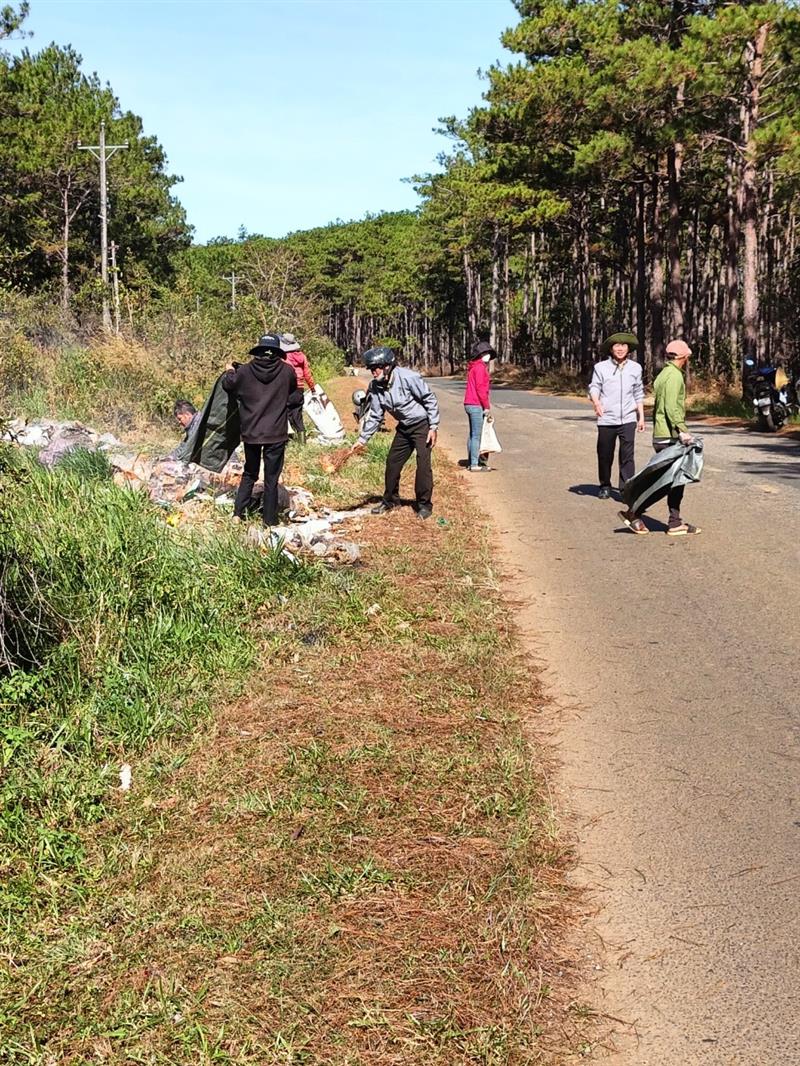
[[103, 152], [115, 285], [232, 279]]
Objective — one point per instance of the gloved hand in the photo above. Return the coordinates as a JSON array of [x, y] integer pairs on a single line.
[[321, 395], [686, 438]]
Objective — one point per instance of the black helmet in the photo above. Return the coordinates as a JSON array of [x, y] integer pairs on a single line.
[[358, 397], [376, 357]]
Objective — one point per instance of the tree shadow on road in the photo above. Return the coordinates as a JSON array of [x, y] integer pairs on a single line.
[[787, 468], [773, 470]]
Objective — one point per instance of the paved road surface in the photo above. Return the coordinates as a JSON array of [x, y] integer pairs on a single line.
[[675, 665]]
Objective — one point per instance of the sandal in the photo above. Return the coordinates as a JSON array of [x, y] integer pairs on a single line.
[[634, 524], [683, 530]]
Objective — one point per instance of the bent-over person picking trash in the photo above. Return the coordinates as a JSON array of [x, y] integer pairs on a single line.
[[404, 394]]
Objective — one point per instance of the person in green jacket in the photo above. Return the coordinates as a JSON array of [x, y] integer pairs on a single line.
[[669, 426]]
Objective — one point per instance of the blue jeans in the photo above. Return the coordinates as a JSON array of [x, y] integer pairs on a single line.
[[475, 416]]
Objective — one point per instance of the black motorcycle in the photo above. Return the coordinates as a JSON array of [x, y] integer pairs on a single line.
[[773, 395]]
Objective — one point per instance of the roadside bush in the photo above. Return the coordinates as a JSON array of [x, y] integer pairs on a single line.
[[18, 359], [52, 367], [327, 361], [114, 631]]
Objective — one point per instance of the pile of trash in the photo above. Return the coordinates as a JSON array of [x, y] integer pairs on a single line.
[[181, 488]]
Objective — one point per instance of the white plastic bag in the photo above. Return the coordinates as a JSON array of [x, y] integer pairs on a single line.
[[324, 416], [489, 442]]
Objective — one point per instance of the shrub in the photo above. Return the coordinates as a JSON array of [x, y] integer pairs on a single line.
[[48, 369]]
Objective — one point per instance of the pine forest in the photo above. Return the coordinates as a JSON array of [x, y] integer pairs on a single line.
[[637, 165]]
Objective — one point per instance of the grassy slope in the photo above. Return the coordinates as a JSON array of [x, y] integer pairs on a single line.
[[353, 863]]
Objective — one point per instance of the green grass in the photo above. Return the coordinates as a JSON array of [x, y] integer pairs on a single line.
[[115, 632]]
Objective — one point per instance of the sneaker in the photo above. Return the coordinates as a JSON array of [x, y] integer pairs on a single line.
[[634, 524], [424, 511], [604, 493], [382, 507], [683, 530], [478, 469]]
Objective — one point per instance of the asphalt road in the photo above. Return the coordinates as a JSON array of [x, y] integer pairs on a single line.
[[674, 665]]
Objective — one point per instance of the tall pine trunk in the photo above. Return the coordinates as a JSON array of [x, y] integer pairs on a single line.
[[641, 281], [676, 308], [584, 294], [657, 271], [749, 199], [732, 220], [494, 306], [472, 285], [65, 292]]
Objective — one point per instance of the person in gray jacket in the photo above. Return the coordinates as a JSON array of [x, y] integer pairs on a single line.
[[404, 394], [617, 395]]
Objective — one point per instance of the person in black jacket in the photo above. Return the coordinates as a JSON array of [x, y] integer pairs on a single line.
[[265, 390]]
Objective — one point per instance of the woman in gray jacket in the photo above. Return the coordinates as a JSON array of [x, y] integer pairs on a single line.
[[617, 395]]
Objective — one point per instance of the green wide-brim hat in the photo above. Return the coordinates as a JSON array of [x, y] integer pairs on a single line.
[[619, 338]]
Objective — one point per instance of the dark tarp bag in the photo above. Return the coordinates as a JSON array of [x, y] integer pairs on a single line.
[[217, 433], [677, 464]]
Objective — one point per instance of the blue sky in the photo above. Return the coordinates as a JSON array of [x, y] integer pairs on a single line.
[[285, 115]]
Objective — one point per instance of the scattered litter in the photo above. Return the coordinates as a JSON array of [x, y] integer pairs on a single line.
[[260, 537], [181, 489], [67, 439], [125, 777], [373, 609]]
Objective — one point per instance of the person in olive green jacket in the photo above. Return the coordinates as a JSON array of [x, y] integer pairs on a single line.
[[669, 426]]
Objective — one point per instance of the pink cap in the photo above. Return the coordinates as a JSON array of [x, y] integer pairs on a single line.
[[679, 348]]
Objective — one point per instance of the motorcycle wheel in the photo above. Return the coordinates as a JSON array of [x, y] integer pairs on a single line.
[[766, 423]]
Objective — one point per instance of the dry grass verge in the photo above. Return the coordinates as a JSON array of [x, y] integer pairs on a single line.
[[355, 863]]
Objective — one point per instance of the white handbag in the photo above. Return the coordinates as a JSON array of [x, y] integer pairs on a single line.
[[489, 442]]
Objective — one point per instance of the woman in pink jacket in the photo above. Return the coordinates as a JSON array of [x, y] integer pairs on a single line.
[[477, 402], [297, 360]]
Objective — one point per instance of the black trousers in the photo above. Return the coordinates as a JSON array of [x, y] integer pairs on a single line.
[[296, 419], [407, 440], [674, 494], [273, 464], [606, 443]]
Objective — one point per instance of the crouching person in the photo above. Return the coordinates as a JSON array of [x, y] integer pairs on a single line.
[[405, 395], [187, 416], [266, 391]]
